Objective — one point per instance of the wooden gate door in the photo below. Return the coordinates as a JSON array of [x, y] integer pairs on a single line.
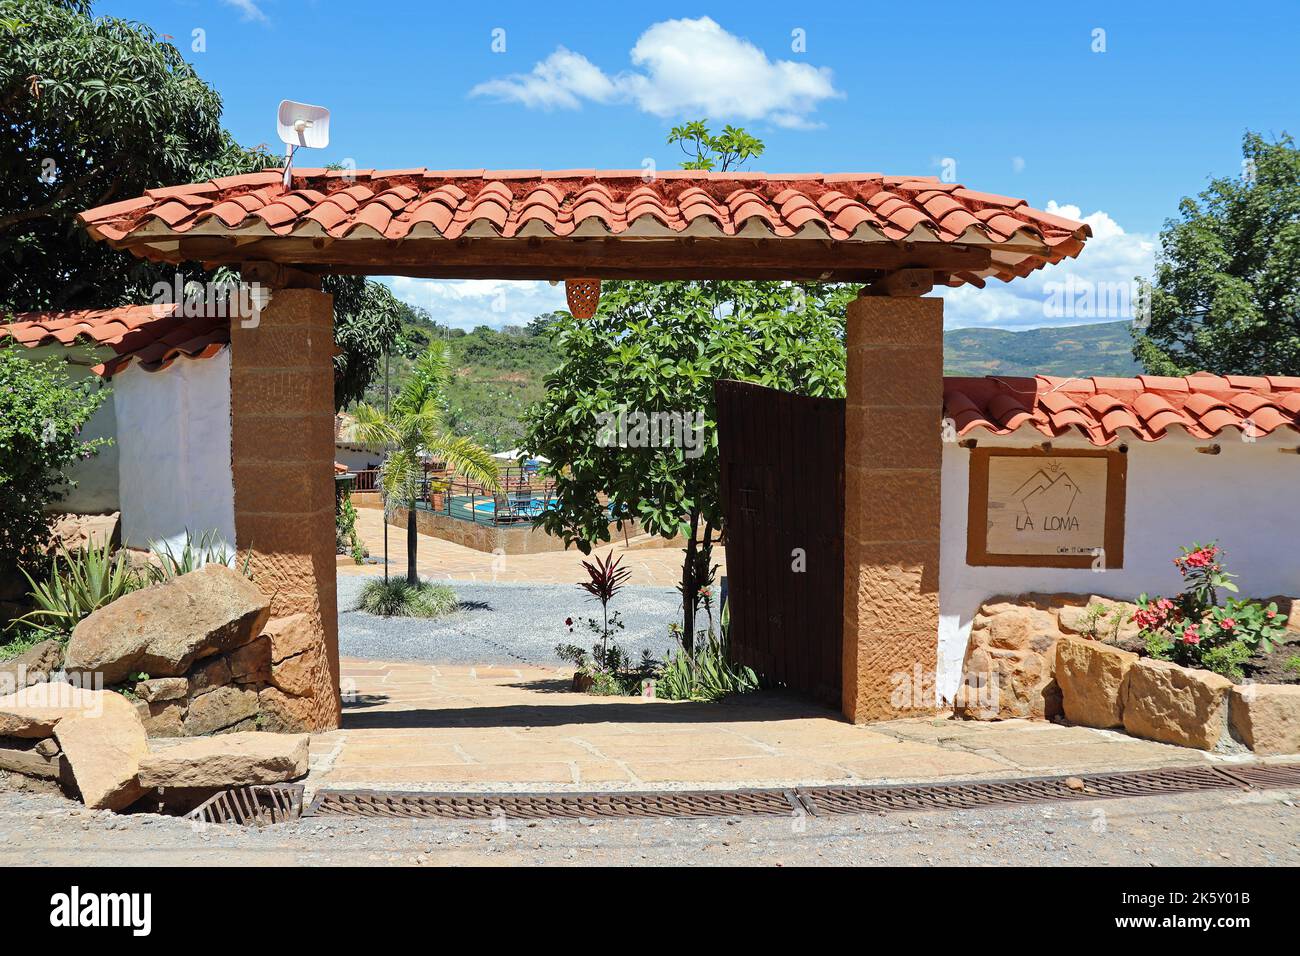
[[782, 458]]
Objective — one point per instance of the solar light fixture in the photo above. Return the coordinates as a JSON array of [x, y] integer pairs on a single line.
[[301, 124]]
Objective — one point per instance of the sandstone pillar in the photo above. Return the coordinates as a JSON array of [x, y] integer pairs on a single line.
[[893, 452], [282, 458]]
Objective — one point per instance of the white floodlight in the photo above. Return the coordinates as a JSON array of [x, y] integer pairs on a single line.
[[301, 124]]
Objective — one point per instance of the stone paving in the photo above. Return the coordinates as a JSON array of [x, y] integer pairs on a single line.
[[441, 727], [443, 560]]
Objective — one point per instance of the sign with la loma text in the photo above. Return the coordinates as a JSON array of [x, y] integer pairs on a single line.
[[1035, 507]]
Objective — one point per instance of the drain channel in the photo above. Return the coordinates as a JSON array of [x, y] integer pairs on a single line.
[[814, 801]]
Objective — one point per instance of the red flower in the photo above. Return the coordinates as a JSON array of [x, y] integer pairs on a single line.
[[568, 622], [1271, 614], [1227, 624]]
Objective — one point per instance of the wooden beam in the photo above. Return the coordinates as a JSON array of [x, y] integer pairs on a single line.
[[650, 259], [277, 276], [903, 283]]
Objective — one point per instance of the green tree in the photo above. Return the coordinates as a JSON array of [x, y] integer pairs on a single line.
[[1226, 296], [658, 348], [706, 151], [42, 412], [367, 323], [413, 429]]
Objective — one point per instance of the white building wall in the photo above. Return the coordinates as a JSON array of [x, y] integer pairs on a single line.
[[1246, 497], [174, 452]]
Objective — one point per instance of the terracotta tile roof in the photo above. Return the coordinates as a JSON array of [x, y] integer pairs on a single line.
[[1110, 409], [152, 335], [410, 204]]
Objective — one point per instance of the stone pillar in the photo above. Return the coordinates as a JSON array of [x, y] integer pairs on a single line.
[[282, 458], [892, 451]]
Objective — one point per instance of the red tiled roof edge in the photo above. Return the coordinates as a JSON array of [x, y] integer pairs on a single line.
[[447, 204], [1106, 410], [152, 335]]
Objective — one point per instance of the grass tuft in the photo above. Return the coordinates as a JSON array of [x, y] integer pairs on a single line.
[[396, 598]]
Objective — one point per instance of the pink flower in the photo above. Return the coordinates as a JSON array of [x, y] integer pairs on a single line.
[[1271, 614], [1227, 624]]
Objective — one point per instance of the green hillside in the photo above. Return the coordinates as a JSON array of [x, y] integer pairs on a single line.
[[500, 372], [1101, 349]]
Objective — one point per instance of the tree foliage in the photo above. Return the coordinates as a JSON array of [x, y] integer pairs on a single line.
[[722, 152], [92, 110], [1226, 296], [42, 412], [659, 347], [415, 428]]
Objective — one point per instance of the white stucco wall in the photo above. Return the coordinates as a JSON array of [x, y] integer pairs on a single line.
[[95, 479], [356, 459], [1245, 497], [174, 451]]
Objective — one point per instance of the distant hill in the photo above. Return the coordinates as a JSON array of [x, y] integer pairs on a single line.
[[1101, 349]]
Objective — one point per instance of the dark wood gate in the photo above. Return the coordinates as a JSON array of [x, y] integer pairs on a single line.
[[782, 461]]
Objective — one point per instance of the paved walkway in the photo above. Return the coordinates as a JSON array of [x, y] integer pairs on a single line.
[[442, 560], [455, 727]]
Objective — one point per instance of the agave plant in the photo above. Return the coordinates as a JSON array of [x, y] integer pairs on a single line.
[[79, 583], [208, 549]]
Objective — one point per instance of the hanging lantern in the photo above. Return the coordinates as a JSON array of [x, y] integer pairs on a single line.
[[583, 296]]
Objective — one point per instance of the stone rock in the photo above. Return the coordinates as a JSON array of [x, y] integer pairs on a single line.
[[283, 713], [162, 630], [297, 675], [219, 708], [251, 664], [1176, 705], [25, 757], [33, 666], [104, 752], [49, 747], [162, 688], [1091, 676], [1267, 717], [35, 711], [1010, 664], [164, 718], [232, 760], [1077, 619], [209, 675], [71, 532], [291, 635]]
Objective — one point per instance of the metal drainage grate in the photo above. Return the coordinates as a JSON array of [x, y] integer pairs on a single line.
[[966, 795], [257, 805], [973, 794], [531, 806]]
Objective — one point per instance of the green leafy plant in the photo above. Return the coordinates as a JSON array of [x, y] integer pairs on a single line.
[[79, 583], [168, 563], [399, 598], [1195, 630], [42, 414], [20, 640], [704, 671], [1097, 626], [414, 429], [605, 578], [1293, 663], [345, 528]]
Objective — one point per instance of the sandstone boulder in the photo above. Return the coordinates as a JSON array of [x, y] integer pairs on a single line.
[[1010, 664], [209, 675], [162, 688], [73, 532], [1176, 705], [164, 718], [291, 635], [1105, 619], [27, 758], [231, 760], [298, 675], [34, 711], [1267, 717], [251, 664], [284, 713], [1092, 680], [218, 709], [162, 630], [33, 666], [103, 752]]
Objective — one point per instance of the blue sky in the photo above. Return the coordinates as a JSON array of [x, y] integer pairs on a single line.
[[1020, 97]]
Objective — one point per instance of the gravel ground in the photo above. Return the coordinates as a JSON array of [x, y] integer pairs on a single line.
[[504, 624], [1221, 828]]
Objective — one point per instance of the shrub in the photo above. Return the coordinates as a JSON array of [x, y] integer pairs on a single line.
[[396, 598], [79, 583], [1195, 630], [345, 528], [42, 412], [706, 671], [22, 639]]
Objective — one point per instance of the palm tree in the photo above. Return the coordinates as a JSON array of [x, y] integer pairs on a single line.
[[414, 427]]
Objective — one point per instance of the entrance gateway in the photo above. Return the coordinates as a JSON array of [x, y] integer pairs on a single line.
[[898, 236]]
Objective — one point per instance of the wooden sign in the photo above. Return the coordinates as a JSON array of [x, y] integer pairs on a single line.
[[1034, 508]]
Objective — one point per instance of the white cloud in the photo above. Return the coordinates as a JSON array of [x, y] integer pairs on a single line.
[[249, 9], [1110, 259], [685, 68], [469, 303], [1017, 164]]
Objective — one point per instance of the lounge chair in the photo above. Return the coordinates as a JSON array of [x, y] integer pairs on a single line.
[[502, 511]]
